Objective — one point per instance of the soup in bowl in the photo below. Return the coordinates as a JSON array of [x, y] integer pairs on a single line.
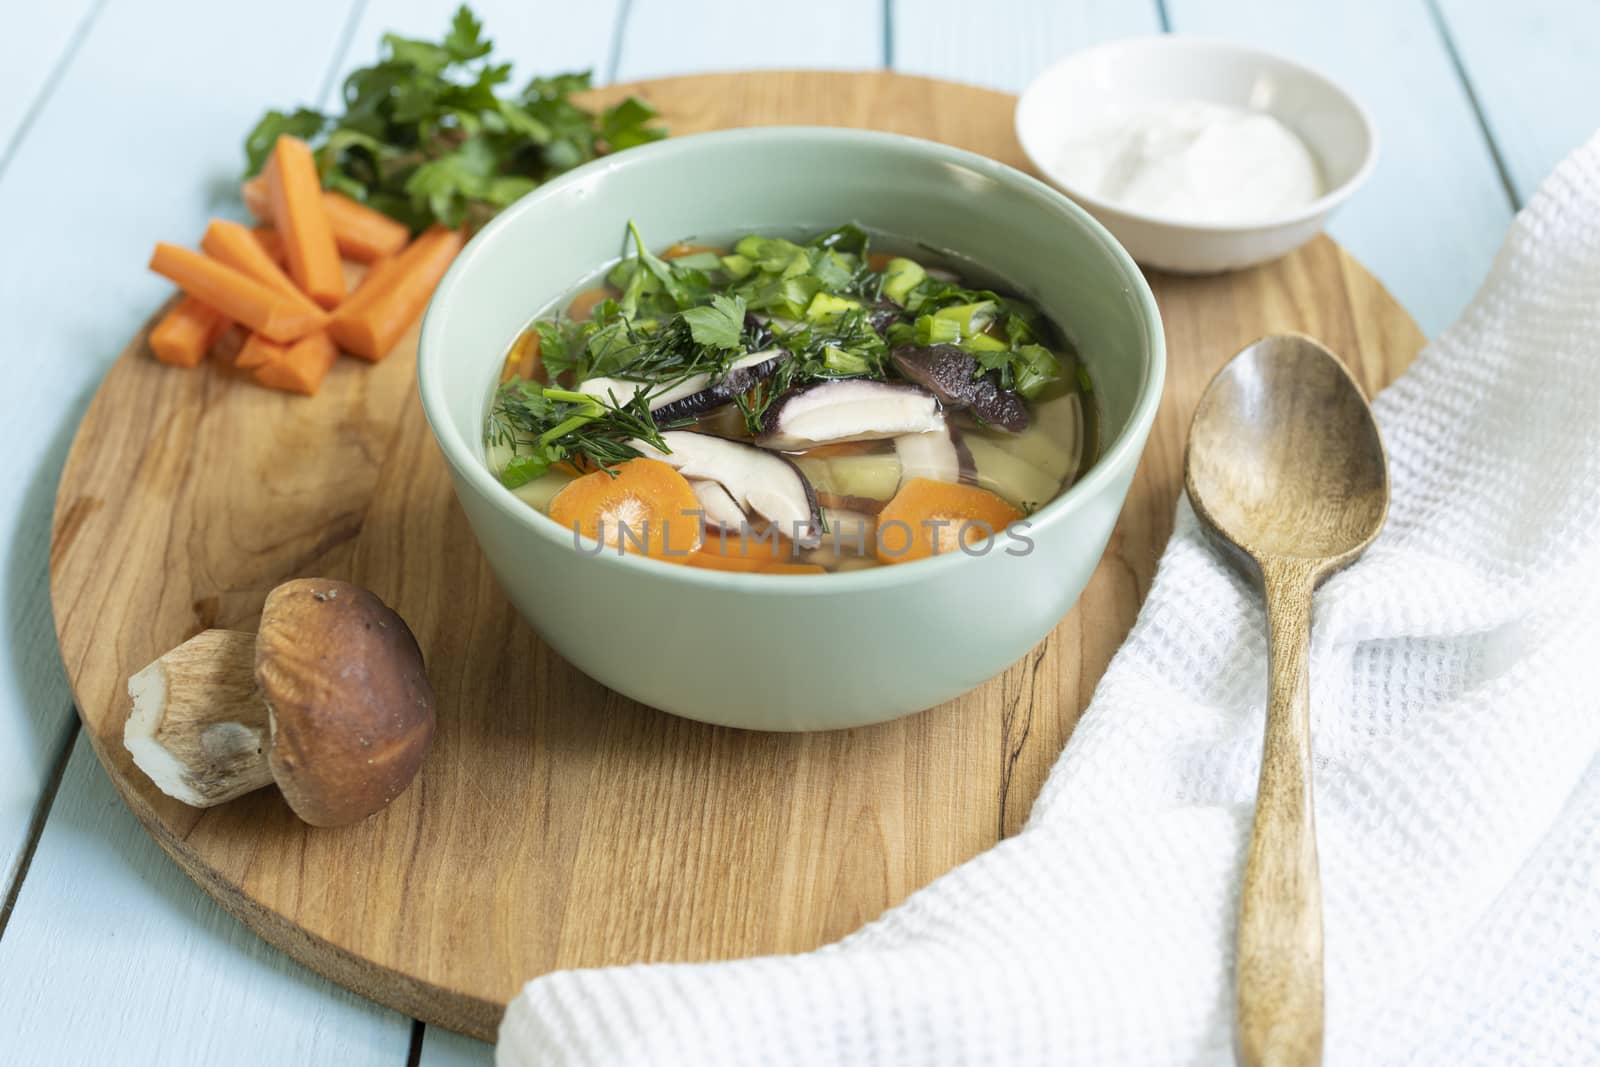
[[792, 428]]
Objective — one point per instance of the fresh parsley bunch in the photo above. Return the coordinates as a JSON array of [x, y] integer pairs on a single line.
[[427, 136]]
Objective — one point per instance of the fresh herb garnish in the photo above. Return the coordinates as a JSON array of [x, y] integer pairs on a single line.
[[543, 426], [820, 301], [719, 324], [426, 135]]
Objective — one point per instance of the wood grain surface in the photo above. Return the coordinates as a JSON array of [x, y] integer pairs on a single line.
[[557, 824]]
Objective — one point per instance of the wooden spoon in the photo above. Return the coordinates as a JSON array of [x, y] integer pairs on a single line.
[[1286, 471]]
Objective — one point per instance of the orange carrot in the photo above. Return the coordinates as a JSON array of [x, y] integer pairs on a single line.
[[258, 352], [642, 505], [878, 261], [582, 306], [728, 552], [236, 295], [372, 322], [793, 568], [256, 198], [237, 247], [302, 367], [271, 244], [711, 559], [298, 214], [684, 248], [361, 233], [927, 517], [523, 361], [187, 332]]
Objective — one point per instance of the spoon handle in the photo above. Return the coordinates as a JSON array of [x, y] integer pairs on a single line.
[[1280, 912]]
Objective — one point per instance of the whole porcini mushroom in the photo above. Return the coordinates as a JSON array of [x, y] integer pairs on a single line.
[[330, 700]]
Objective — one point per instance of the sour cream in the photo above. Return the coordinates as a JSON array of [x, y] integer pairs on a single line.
[[1192, 161]]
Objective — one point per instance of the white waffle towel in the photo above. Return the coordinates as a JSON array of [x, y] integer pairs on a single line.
[[1456, 716]]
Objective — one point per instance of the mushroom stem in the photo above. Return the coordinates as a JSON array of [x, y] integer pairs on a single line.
[[199, 727]]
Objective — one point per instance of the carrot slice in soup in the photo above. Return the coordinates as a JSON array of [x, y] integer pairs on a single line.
[[731, 552], [643, 506], [684, 248], [583, 305], [236, 295], [793, 568], [523, 361], [295, 192], [302, 366], [187, 332], [927, 517]]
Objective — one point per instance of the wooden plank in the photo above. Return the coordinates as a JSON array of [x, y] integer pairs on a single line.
[[535, 38], [35, 708], [36, 46], [1004, 44], [1434, 212], [441, 1048], [665, 37], [105, 922], [114, 956], [1533, 69], [556, 824]]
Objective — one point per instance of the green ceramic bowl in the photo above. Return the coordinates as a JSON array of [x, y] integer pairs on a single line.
[[770, 652]]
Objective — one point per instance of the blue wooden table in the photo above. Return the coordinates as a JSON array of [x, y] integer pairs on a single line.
[[120, 123]]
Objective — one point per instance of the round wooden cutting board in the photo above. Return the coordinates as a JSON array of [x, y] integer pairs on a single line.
[[557, 824]]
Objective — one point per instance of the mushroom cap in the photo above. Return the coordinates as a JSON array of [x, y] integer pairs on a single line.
[[351, 708]]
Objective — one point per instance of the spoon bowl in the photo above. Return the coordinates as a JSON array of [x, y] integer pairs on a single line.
[[1286, 470], [1284, 456]]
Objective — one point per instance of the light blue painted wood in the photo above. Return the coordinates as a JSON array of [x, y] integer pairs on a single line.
[[114, 957], [441, 1048], [1535, 67], [35, 708], [537, 38], [111, 955], [664, 37], [1431, 217], [37, 40], [1004, 44]]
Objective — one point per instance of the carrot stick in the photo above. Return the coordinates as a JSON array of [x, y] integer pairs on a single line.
[[258, 352], [235, 246], [236, 295], [361, 233], [187, 332], [271, 243], [371, 323], [302, 367], [256, 199], [295, 191]]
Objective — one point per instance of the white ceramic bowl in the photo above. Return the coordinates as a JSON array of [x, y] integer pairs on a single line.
[[1122, 75]]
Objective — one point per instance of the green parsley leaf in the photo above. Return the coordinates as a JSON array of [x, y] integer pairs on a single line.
[[426, 136], [720, 324]]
